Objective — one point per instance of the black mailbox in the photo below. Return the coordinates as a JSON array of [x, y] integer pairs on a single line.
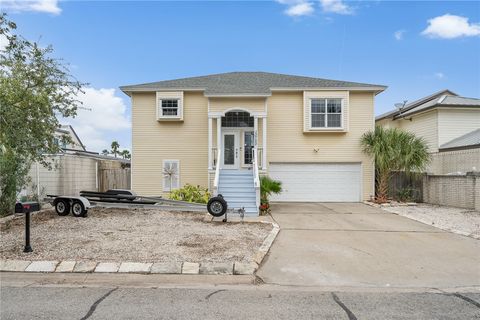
[[26, 207]]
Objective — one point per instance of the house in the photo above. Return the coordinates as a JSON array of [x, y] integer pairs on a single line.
[[75, 144], [449, 123], [224, 130]]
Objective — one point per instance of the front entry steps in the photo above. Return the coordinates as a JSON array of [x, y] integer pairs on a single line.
[[236, 187]]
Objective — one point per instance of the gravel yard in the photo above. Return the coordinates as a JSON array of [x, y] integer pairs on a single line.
[[139, 235], [462, 221]]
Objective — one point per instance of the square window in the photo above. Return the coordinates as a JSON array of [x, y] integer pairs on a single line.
[[169, 107]]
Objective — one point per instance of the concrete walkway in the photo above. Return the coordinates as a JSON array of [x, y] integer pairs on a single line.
[[342, 244]]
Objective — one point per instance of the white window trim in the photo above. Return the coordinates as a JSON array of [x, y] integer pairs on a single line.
[[168, 188], [342, 114], [169, 96]]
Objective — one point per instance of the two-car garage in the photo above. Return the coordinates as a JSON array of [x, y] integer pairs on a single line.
[[318, 182]]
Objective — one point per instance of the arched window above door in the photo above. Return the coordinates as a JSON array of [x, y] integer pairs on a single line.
[[237, 119]]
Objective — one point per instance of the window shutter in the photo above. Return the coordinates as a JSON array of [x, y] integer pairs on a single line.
[[171, 175]]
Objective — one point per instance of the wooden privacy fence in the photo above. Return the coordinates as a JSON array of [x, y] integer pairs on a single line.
[[112, 175], [402, 186]]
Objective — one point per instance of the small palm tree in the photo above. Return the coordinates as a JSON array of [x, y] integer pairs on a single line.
[[105, 152], [115, 146], [268, 186], [394, 150]]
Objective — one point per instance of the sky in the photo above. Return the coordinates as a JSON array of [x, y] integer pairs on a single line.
[[415, 48]]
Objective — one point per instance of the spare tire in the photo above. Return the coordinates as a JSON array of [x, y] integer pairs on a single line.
[[217, 206]]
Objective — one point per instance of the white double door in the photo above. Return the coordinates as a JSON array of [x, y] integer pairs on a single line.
[[237, 148]]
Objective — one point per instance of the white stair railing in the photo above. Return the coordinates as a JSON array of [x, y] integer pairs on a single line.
[[217, 172], [256, 177]]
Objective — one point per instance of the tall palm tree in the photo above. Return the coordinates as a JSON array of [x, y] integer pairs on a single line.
[[394, 150], [115, 146]]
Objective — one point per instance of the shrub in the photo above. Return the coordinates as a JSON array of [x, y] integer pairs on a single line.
[[191, 193], [268, 186]]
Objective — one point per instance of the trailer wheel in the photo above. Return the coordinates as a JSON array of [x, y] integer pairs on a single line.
[[217, 206], [62, 207], [78, 209]]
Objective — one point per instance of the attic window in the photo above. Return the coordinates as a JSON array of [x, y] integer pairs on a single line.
[[169, 107]]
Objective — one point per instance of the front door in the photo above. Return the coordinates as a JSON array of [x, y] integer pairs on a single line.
[[230, 151]]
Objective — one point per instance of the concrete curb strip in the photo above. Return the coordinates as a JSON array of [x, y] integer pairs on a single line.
[[66, 266], [85, 266], [135, 267], [190, 268], [14, 265], [216, 268], [42, 266], [207, 268], [166, 267], [107, 267]]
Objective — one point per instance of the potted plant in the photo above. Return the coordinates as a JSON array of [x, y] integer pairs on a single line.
[[268, 186]]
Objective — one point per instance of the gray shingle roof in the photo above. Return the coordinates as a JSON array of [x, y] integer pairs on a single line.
[[247, 83], [444, 98], [467, 140]]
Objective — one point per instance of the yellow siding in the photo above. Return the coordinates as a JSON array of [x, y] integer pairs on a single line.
[[455, 123], [250, 104], [154, 141], [287, 142], [423, 125]]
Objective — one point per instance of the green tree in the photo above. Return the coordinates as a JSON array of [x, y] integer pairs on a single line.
[[394, 150], [115, 146], [125, 154], [105, 152], [35, 89]]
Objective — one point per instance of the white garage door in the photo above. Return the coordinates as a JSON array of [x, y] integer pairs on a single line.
[[322, 182]]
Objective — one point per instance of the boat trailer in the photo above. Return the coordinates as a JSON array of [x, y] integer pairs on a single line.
[[122, 198]]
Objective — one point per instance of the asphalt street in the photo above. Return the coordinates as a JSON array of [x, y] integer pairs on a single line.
[[254, 302]]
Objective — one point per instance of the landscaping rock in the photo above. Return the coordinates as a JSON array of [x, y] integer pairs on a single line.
[[190, 268], [135, 267], [216, 268], [245, 268], [107, 267], [42, 266], [65, 266], [14, 265], [167, 267], [85, 266]]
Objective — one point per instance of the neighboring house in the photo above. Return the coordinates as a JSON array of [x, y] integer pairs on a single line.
[[75, 169], [223, 130], [448, 122], [75, 145]]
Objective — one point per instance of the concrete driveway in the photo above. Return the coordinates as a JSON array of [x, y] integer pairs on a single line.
[[352, 244]]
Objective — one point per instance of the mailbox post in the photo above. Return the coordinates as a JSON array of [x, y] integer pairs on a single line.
[[27, 208]]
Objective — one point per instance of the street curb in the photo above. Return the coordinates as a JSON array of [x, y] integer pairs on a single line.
[[186, 267]]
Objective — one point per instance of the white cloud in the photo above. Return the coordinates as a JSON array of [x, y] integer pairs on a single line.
[[300, 9], [297, 8], [106, 121], [48, 6], [450, 26], [399, 34], [336, 6], [439, 75]]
